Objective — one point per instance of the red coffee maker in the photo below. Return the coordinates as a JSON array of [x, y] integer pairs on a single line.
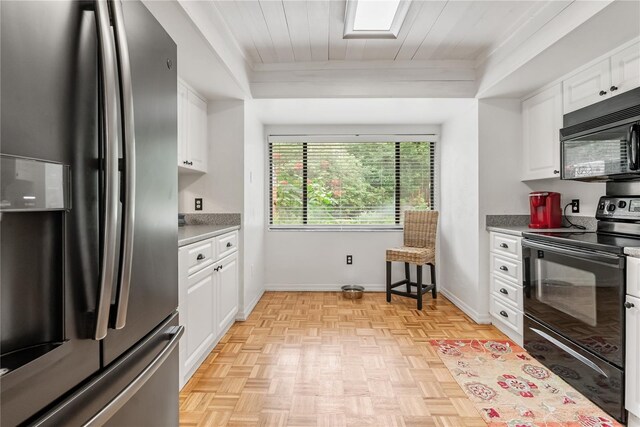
[[545, 209]]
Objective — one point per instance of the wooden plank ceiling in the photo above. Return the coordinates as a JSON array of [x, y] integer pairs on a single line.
[[289, 31]]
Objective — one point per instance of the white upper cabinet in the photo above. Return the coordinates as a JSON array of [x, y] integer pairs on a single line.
[[612, 76], [192, 131], [587, 87], [182, 124], [541, 123], [625, 69]]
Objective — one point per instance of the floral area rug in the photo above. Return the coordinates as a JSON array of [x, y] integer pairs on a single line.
[[510, 388]]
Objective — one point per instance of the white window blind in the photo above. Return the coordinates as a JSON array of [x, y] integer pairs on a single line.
[[348, 181]]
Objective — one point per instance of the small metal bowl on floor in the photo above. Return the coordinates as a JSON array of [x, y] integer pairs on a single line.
[[352, 291]]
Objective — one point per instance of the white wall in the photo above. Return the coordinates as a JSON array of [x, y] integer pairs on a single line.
[[253, 218], [222, 187], [458, 260], [316, 260]]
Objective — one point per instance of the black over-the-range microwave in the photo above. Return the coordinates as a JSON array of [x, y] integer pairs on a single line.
[[601, 142]]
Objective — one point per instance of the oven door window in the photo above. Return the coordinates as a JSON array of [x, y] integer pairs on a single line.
[[567, 289], [599, 154], [577, 297]]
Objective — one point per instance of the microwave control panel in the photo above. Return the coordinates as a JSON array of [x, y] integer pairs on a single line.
[[624, 208]]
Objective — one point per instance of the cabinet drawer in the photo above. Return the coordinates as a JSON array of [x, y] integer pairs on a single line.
[[227, 244], [199, 256], [507, 314], [506, 291], [506, 267], [507, 245]]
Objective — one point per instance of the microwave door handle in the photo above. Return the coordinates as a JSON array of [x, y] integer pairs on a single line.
[[632, 146], [109, 111], [129, 143]]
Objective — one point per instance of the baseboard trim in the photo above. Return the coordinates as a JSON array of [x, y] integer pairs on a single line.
[[474, 315], [244, 314], [318, 287]]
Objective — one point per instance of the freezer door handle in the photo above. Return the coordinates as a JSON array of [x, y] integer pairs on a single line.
[[110, 128], [128, 136], [175, 332]]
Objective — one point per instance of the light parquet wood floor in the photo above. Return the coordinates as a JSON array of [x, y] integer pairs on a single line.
[[316, 359]]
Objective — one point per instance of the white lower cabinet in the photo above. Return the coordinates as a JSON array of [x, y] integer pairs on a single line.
[[632, 363], [207, 299], [505, 277], [227, 287]]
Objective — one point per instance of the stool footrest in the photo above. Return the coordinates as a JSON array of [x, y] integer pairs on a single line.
[[425, 289]]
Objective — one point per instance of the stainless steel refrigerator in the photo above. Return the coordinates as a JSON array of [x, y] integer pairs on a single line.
[[88, 208]]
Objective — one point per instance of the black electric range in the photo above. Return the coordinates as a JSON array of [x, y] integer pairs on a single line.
[[574, 285]]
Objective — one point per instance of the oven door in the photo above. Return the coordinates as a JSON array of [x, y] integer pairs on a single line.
[[578, 294]]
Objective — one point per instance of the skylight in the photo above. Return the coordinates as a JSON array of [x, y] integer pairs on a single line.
[[375, 15], [374, 19]]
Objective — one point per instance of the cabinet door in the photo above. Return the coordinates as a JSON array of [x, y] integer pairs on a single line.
[[632, 372], [587, 87], [183, 123], [625, 70], [197, 134], [227, 291], [541, 123], [633, 276], [200, 315]]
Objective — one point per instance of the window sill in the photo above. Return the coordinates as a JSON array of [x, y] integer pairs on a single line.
[[336, 229]]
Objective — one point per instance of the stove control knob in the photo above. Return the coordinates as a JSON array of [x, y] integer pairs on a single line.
[[611, 207], [622, 204], [601, 206]]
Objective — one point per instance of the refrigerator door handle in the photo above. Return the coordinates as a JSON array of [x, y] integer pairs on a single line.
[[128, 136], [175, 332], [110, 129]]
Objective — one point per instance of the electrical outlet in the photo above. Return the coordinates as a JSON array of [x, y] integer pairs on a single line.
[[575, 206], [198, 203], [349, 259]]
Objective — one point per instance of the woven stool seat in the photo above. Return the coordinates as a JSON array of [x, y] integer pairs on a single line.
[[420, 228], [419, 256]]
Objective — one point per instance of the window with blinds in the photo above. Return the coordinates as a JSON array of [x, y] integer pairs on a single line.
[[348, 182]]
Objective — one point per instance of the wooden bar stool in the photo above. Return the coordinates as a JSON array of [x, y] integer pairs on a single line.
[[420, 229]]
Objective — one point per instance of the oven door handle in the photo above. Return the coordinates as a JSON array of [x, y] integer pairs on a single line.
[[577, 253], [573, 353]]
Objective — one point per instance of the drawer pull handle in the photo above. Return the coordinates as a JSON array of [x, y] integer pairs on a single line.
[[504, 314], [504, 268], [200, 257], [629, 305], [229, 244], [504, 291], [504, 246]]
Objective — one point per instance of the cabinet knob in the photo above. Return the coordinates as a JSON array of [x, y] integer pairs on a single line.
[[200, 257], [504, 246], [603, 92], [504, 268], [629, 305], [504, 291], [613, 88], [556, 172], [217, 268], [504, 314], [229, 244]]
